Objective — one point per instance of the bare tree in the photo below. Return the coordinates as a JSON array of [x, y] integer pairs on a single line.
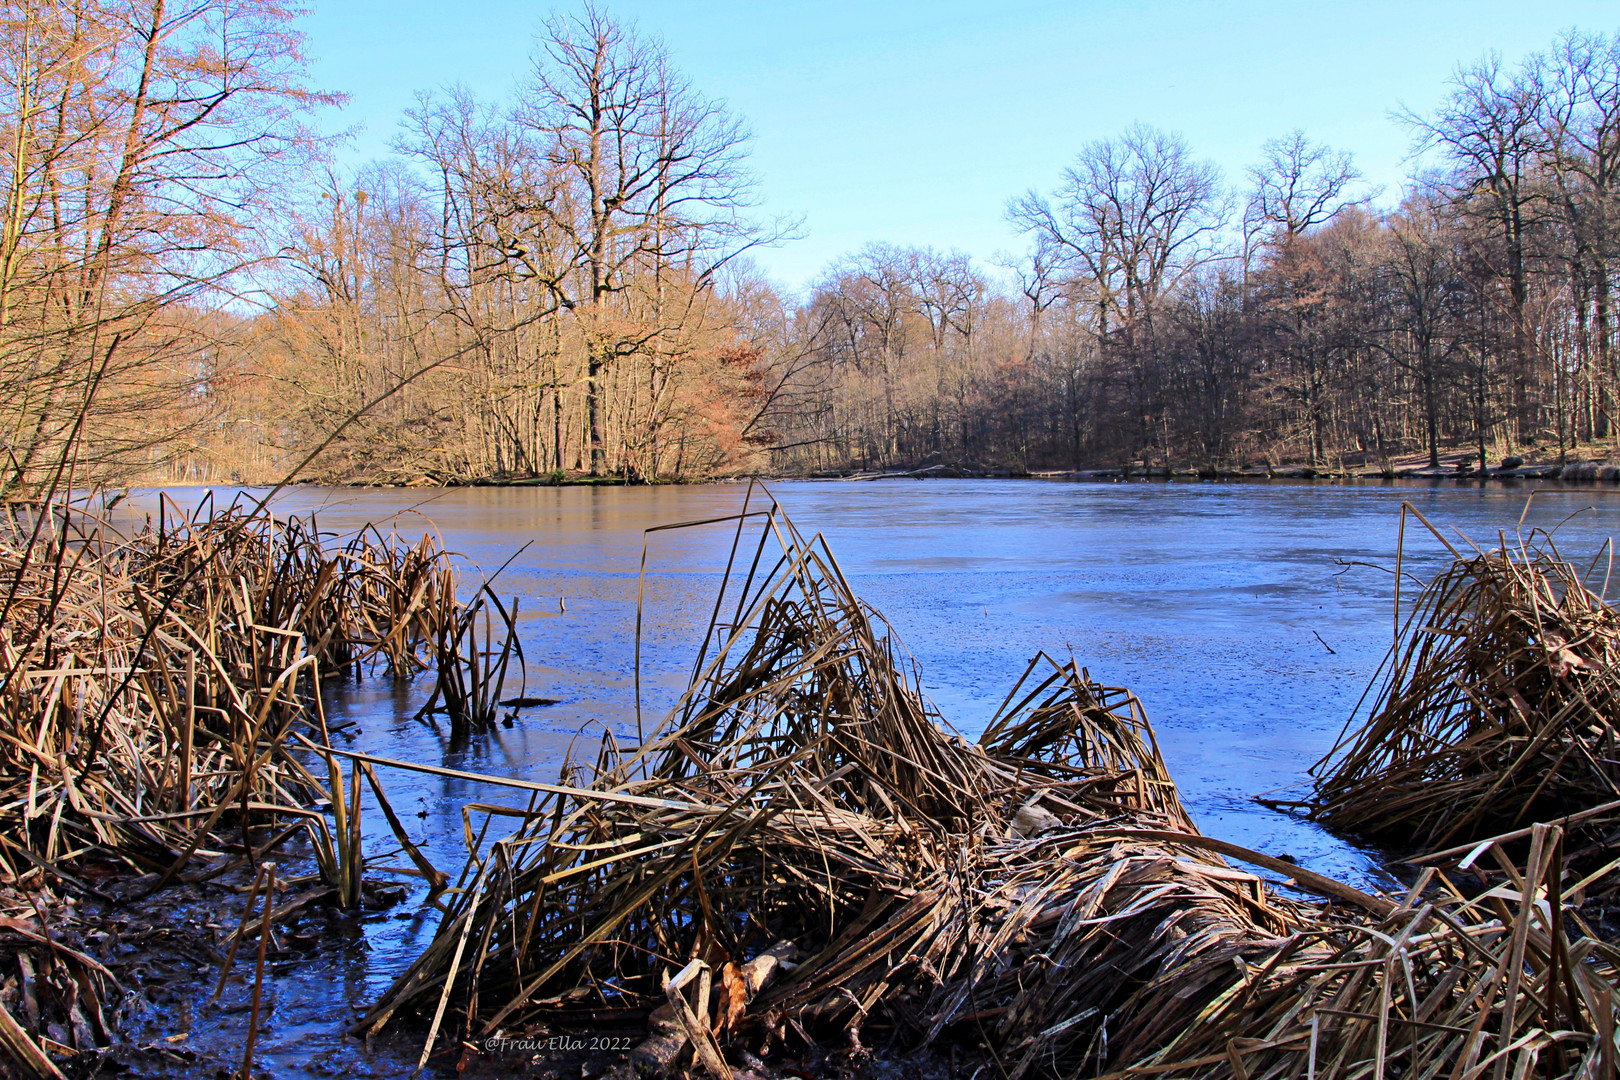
[[1491, 130], [1297, 185], [1422, 275], [144, 148], [1134, 216], [1581, 133], [657, 173]]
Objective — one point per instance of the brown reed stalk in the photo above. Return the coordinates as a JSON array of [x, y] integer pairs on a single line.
[[254, 1017]]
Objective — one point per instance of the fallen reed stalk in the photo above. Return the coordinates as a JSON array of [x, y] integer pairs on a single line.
[[1039, 896]]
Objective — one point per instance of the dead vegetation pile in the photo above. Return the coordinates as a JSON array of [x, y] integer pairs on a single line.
[[806, 854], [1497, 708], [160, 717]]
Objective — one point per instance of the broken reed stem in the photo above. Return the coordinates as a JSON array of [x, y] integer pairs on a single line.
[[258, 970], [241, 930], [188, 732]]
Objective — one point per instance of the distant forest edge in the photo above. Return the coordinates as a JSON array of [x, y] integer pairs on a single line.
[[560, 285]]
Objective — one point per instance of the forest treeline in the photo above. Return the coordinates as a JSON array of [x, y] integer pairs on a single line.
[[561, 283]]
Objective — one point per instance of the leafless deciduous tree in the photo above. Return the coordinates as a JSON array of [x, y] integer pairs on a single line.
[[656, 176], [143, 146], [1298, 184]]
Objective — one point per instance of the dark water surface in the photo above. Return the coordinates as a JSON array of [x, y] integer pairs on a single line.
[[1225, 607]]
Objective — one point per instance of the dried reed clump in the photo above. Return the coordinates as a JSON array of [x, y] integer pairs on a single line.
[[160, 703], [1041, 891], [1497, 708], [1439, 984], [153, 687]]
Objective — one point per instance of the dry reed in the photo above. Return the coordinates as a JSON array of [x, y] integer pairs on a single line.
[[159, 693], [1496, 709]]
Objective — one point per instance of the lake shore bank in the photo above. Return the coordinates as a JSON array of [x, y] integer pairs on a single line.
[[1572, 472]]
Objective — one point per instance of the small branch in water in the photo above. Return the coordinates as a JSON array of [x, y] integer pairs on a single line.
[[1325, 645], [1348, 563]]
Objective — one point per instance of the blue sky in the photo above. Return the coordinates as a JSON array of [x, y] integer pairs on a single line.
[[913, 122]]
